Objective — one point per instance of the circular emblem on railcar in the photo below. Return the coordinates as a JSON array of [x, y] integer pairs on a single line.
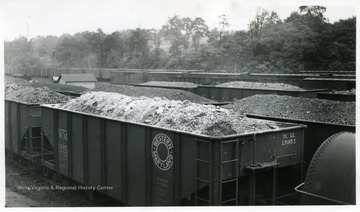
[[162, 150]]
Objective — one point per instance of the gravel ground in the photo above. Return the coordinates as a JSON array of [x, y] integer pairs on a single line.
[[171, 84], [260, 85], [171, 94], [177, 115], [311, 109]]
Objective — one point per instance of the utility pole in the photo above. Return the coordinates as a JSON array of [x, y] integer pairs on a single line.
[[28, 28], [53, 62]]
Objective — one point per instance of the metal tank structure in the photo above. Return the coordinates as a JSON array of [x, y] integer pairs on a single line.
[[331, 178]]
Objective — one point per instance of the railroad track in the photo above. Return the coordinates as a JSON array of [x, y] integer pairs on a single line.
[[94, 197], [33, 172]]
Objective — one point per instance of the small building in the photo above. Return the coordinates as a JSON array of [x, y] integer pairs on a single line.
[[84, 80]]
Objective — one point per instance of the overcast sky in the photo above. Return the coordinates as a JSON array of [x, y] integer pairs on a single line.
[[55, 17]]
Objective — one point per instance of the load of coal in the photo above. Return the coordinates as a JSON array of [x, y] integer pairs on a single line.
[[171, 114], [310, 109], [30, 95], [170, 84], [346, 92], [151, 92], [60, 88], [260, 85]]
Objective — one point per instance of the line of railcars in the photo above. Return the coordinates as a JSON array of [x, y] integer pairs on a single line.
[[143, 165], [244, 169], [228, 94], [310, 80], [315, 87]]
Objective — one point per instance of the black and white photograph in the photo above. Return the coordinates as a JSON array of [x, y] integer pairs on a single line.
[[178, 104]]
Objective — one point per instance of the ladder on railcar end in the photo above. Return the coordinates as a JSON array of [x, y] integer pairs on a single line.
[[203, 164], [233, 177], [214, 180], [32, 140]]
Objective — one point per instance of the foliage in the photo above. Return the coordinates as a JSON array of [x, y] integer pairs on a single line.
[[304, 40]]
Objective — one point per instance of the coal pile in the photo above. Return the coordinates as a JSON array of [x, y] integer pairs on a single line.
[[177, 115], [310, 109], [348, 92], [32, 95], [18, 81], [9, 81], [135, 91], [260, 85], [171, 84], [60, 87]]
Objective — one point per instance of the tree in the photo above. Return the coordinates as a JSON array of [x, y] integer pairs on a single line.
[[176, 31], [156, 38], [309, 16], [138, 42], [114, 48], [20, 54], [311, 20], [223, 24], [256, 27], [341, 48], [96, 42], [184, 32]]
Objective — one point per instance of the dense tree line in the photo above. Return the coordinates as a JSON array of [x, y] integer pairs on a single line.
[[304, 40]]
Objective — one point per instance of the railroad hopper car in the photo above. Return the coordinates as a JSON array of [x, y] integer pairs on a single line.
[[195, 77], [133, 76], [146, 165], [315, 133], [329, 73], [100, 74], [7, 71], [346, 76], [128, 76], [163, 76], [292, 79], [335, 185], [189, 89], [231, 94], [46, 72], [227, 94], [337, 97], [95, 72], [212, 78], [22, 130], [330, 83]]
